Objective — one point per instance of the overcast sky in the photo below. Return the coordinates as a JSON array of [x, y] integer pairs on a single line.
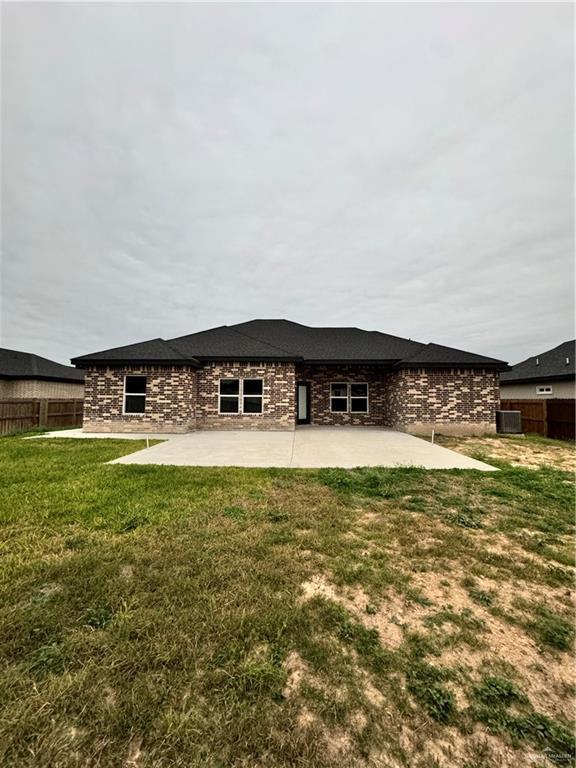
[[400, 167]]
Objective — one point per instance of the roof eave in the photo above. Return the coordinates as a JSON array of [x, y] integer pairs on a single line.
[[247, 359], [349, 361], [82, 362], [38, 377], [550, 377], [488, 366]]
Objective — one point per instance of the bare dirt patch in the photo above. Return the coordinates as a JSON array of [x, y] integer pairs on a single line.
[[518, 452], [48, 590], [386, 620], [296, 669], [367, 517], [338, 741], [134, 753], [451, 748], [511, 548], [545, 676]]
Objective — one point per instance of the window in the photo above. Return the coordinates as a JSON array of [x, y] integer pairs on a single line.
[[359, 398], [339, 398], [240, 396], [543, 390], [134, 394], [229, 396], [252, 396], [349, 397]]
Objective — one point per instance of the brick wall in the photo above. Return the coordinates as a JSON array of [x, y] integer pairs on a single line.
[[170, 396], [180, 399], [320, 378], [278, 402], [24, 389], [452, 401]]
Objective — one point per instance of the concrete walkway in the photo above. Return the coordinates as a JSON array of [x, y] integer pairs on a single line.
[[305, 447]]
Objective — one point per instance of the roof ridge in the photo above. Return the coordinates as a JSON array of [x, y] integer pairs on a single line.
[[424, 345], [186, 335], [255, 338], [400, 338], [175, 349]]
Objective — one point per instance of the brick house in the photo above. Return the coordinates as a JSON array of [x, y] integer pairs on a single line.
[[277, 374], [25, 376]]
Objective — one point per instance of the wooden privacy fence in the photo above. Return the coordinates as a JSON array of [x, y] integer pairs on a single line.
[[550, 418], [561, 418], [19, 415]]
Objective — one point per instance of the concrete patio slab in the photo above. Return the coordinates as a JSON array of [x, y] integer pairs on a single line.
[[345, 447], [80, 434]]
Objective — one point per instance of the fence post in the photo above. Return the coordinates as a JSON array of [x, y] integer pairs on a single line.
[[43, 413], [545, 414]]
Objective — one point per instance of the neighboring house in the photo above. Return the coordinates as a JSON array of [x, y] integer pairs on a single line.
[[275, 374], [547, 375], [24, 376]]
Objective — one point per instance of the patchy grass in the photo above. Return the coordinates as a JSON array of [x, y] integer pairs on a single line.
[[181, 617], [426, 683], [495, 698], [548, 627], [528, 451]]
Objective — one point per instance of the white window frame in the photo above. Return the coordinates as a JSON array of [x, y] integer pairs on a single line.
[[349, 396], [359, 397], [261, 396], [134, 394], [544, 390], [240, 396], [228, 397], [340, 397]]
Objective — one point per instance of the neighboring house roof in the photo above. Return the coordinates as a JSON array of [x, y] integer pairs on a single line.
[[25, 365], [284, 340], [557, 363]]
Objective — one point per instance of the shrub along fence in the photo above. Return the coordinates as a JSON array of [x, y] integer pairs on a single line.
[[550, 418], [19, 415]]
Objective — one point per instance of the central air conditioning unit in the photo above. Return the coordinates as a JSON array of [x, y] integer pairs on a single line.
[[509, 422]]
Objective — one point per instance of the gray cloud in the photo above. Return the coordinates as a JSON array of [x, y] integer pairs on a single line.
[[168, 168]]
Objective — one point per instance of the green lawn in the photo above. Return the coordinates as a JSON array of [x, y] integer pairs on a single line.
[[181, 617]]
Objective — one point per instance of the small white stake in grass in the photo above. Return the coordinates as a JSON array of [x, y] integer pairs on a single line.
[[147, 441], [432, 436]]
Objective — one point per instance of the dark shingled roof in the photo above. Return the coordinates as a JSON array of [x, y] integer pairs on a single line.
[[25, 365], [324, 344], [437, 355], [557, 363], [152, 351], [226, 342], [284, 340]]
